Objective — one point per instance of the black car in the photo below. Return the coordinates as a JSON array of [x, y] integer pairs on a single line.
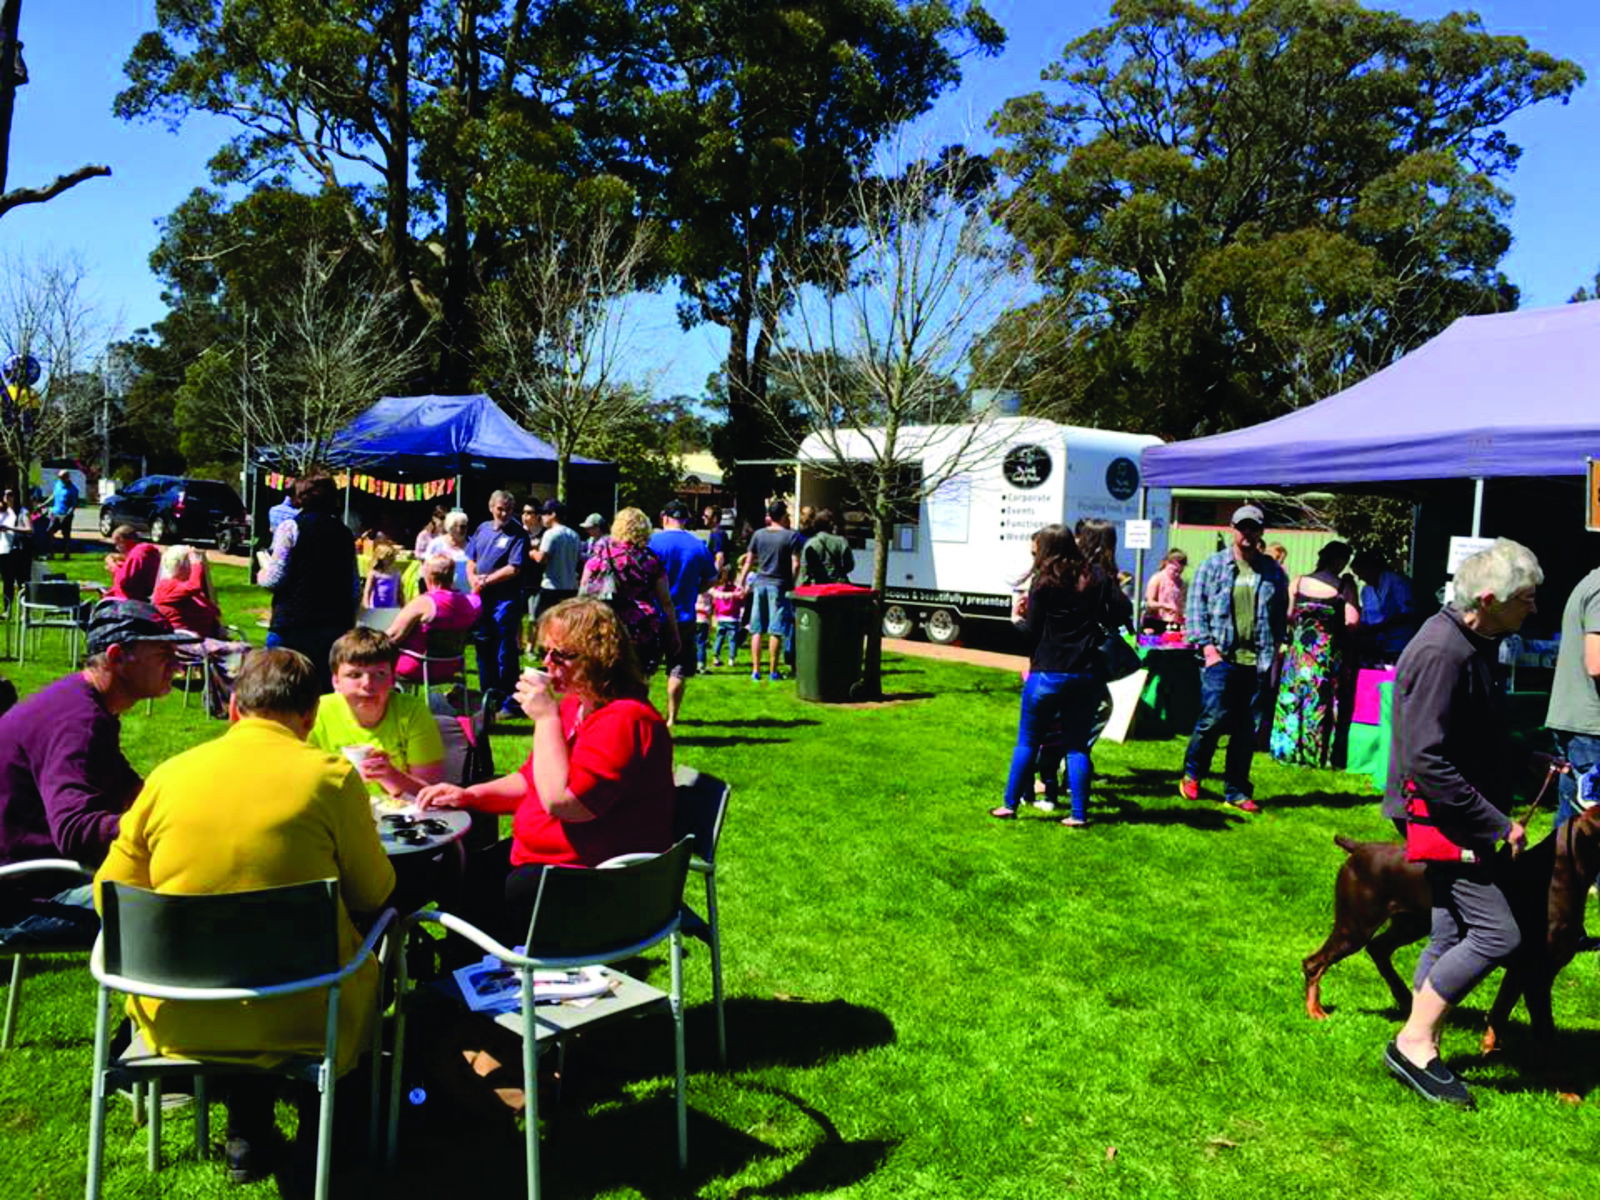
[[172, 509]]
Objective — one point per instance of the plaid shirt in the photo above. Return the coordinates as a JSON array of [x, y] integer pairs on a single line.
[[1208, 618]]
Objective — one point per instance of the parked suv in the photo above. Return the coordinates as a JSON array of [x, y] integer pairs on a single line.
[[172, 509]]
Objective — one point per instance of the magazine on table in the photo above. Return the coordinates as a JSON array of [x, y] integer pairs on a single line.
[[489, 986]]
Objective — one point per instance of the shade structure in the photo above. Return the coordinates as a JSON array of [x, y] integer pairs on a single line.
[[1514, 394], [445, 434]]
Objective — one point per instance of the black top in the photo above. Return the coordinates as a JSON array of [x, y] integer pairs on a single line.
[[317, 587], [1067, 625], [1450, 735]]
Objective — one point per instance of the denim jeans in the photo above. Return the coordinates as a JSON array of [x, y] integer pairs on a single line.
[[496, 638], [1048, 697], [727, 635], [1234, 700], [65, 920], [1582, 750]]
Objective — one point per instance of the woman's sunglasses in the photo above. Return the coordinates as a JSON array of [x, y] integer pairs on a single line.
[[561, 656]]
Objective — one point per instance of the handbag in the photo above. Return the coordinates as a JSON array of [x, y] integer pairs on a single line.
[[601, 583], [1424, 841], [1118, 660]]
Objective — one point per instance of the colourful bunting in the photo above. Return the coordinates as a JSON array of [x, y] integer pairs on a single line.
[[387, 489]]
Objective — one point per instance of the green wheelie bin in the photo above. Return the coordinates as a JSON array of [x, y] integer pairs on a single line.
[[831, 622]]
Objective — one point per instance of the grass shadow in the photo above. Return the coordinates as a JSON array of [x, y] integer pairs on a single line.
[[723, 742], [1322, 800], [755, 722], [1570, 1062], [1213, 819]]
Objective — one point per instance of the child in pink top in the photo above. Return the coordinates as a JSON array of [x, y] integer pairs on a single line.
[[726, 602]]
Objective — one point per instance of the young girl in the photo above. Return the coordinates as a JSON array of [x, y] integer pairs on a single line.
[[1069, 603], [382, 589], [702, 626], [726, 602]]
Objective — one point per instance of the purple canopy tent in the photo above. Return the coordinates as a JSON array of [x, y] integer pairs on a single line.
[[1505, 395]]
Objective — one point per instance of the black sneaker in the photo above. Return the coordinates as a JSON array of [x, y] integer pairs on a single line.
[[1435, 1081]]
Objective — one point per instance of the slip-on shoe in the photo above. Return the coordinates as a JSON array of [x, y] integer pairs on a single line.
[[1435, 1081]]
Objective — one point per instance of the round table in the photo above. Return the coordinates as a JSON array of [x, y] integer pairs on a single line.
[[393, 845]]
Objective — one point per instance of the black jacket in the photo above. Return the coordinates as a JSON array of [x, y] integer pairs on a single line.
[[1450, 733]]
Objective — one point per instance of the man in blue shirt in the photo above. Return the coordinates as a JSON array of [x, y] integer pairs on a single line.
[[63, 503], [690, 571], [284, 510], [495, 557]]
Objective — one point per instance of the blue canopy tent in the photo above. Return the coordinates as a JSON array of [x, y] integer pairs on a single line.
[[425, 437]]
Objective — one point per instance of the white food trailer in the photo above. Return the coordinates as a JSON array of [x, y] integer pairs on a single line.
[[958, 557]]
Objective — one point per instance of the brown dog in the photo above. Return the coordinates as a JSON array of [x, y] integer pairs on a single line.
[[1377, 889]]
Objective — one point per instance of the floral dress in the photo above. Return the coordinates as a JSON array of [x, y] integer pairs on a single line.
[[635, 570], [1305, 718]]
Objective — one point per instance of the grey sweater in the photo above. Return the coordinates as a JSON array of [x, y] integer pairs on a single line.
[[1450, 735]]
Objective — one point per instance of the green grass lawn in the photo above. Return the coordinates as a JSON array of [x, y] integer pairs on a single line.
[[925, 1002]]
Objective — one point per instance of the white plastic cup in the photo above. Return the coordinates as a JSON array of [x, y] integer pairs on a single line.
[[357, 754]]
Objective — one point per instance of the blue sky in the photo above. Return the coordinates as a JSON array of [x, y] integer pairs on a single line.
[[75, 50]]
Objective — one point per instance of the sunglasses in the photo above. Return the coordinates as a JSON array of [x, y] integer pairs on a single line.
[[564, 657]]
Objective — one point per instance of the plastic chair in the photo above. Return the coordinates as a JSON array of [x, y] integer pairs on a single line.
[[172, 947], [20, 954], [446, 659], [51, 604], [702, 805], [581, 918]]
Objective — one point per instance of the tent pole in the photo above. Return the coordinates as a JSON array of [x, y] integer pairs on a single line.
[[458, 492], [347, 500], [1477, 506], [1138, 556]]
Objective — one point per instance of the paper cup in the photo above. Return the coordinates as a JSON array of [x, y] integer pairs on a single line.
[[357, 754]]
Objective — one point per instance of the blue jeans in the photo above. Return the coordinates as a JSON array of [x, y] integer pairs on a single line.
[[1234, 700], [1048, 697], [64, 921], [1582, 750], [702, 642], [495, 636], [727, 635], [769, 610]]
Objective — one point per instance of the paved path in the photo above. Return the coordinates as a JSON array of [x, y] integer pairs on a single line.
[[978, 658]]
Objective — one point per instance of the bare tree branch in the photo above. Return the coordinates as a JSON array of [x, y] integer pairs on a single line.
[[20, 196]]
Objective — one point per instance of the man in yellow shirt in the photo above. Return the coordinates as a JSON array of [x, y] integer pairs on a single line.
[[257, 808], [403, 750]]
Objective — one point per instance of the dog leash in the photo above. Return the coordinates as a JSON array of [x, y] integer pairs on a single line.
[[1550, 772]]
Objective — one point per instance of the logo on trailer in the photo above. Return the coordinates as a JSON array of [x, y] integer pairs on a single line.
[[1122, 478], [1026, 466]]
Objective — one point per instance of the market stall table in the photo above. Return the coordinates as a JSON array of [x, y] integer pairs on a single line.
[[1170, 702]]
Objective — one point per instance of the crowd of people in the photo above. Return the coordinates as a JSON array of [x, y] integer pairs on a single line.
[[321, 737]]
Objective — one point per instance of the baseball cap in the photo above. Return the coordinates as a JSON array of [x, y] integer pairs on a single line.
[[593, 521], [676, 509], [553, 508], [122, 622], [1248, 512]]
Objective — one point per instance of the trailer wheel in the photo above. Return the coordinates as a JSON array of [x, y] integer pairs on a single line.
[[897, 622], [942, 626]]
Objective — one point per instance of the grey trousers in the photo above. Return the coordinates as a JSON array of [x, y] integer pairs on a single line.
[[1473, 929]]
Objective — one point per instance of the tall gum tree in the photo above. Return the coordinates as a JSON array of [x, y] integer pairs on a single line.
[[1257, 204]]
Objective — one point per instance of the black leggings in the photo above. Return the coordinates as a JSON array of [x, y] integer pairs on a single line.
[[14, 572]]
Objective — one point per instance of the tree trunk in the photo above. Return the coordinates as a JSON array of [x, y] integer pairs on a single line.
[[872, 663], [10, 57], [397, 165], [563, 461], [455, 364]]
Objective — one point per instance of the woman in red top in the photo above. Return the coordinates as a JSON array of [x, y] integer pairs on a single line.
[[598, 780], [185, 597]]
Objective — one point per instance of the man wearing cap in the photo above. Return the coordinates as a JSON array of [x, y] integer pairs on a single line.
[[494, 565], [690, 571], [1236, 613], [557, 551], [591, 532], [64, 782]]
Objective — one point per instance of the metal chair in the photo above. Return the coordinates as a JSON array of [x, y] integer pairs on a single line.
[[192, 948], [20, 954], [50, 604], [702, 805], [580, 918], [446, 656]]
